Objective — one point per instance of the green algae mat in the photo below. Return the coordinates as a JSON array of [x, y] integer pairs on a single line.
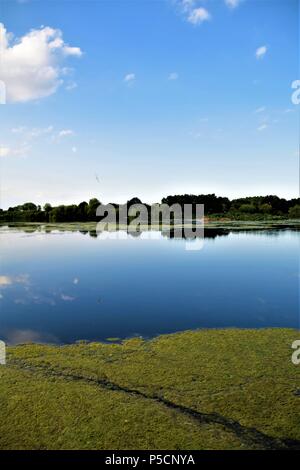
[[210, 389]]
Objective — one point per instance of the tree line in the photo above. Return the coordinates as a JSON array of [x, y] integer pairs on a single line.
[[254, 207]]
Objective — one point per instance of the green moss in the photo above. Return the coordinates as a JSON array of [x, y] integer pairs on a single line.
[[121, 396]]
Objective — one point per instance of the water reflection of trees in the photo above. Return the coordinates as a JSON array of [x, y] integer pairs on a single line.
[[207, 233], [170, 232]]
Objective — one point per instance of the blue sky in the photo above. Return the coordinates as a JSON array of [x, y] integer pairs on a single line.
[[126, 98]]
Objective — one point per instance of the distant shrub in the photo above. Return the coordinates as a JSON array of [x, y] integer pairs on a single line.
[[248, 208]]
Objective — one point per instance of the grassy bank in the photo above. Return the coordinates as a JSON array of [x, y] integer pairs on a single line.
[[209, 223], [212, 389]]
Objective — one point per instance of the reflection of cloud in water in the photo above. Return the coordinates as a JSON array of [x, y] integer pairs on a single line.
[[36, 299], [30, 293], [9, 280], [5, 281], [67, 298], [41, 299], [20, 301], [28, 336]]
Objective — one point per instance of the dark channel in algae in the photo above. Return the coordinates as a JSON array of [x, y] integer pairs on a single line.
[[209, 389]]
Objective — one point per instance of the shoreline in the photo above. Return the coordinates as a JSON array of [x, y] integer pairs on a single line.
[[196, 389]]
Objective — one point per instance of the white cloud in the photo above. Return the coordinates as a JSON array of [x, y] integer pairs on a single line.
[[173, 76], [10, 151], [129, 78], [38, 131], [32, 133], [260, 52], [18, 130], [75, 51], [232, 3], [31, 67], [65, 133], [74, 149], [198, 15], [5, 151], [191, 12], [262, 127]]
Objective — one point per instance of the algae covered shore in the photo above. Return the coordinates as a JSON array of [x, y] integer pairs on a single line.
[[209, 389]]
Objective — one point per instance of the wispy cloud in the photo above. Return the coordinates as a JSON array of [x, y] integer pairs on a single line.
[[261, 52], [260, 110], [32, 66], [232, 3], [129, 78], [71, 86], [65, 133], [14, 151], [262, 127], [32, 133]]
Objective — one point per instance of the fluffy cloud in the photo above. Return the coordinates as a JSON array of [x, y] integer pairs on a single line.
[[191, 12], [31, 67], [198, 15], [260, 52]]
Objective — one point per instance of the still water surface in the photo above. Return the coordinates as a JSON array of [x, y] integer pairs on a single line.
[[65, 286]]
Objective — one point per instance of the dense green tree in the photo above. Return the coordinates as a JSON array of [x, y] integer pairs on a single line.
[[266, 208], [28, 206], [47, 207], [247, 207], [250, 208], [92, 208], [82, 211], [294, 212]]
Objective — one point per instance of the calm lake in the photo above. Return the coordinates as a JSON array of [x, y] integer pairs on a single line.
[[65, 286]]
